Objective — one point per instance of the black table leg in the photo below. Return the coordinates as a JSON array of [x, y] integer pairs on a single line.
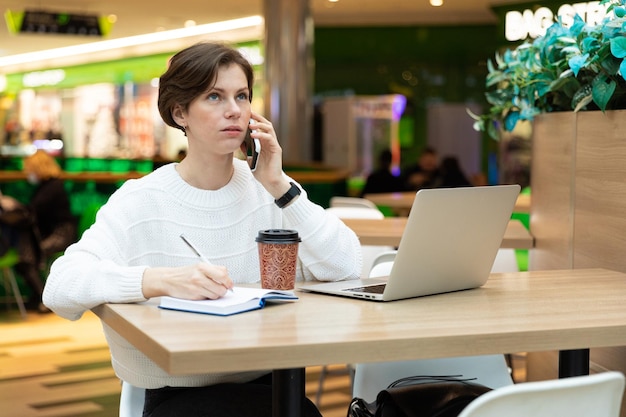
[[573, 362], [288, 392]]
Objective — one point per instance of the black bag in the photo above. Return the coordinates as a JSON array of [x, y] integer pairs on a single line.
[[420, 396]]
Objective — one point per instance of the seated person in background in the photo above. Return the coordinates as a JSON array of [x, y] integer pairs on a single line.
[[424, 173], [134, 252], [382, 180], [450, 174], [47, 226]]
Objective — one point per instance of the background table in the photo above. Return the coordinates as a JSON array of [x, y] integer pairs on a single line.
[[388, 232], [513, 312]]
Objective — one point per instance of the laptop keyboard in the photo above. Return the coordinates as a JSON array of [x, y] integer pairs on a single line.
[[373, 289]]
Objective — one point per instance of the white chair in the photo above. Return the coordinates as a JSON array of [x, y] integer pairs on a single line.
[[489, 370], [131, 400], [369, 251], [370, 378], [382, 263], [506, 261], [598, 395], [351, 202], [356, 212]]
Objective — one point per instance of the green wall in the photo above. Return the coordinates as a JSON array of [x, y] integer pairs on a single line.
[[426, 64]]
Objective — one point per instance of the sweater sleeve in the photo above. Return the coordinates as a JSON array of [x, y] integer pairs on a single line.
[[329, 251], [93, 271]]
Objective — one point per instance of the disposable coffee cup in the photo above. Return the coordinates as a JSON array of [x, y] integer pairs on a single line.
[[278, 255]]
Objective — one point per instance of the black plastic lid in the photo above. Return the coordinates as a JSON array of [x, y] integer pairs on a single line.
[[278, 236]]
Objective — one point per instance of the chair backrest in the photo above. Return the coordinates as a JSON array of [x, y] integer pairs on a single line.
[[506, 261], [489, 370], [369, 251], [598, 395], [131, 400], [351, 202], [345, 212], [382, 263]]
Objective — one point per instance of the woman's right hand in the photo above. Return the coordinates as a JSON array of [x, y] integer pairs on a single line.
[[194, 282]]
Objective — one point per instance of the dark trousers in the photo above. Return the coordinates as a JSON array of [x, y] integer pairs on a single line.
[[251, 399]]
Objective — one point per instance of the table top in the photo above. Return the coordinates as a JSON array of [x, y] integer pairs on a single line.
[[512, 312], [402, 202], [388, 232]]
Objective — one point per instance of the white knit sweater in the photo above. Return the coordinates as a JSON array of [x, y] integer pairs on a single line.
[[139, 227]]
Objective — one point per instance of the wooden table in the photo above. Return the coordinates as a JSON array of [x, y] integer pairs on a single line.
[[570, 310], [102, 177], [388, 232], [401, 203]]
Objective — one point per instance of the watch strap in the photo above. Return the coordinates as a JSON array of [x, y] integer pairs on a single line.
[[286, 198]]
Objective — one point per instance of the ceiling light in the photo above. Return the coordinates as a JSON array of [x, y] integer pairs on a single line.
[[149, 38], [436, 3]]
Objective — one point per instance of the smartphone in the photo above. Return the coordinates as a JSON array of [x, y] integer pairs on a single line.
[[253, 148]]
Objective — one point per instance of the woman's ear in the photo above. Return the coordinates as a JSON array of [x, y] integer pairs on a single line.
[[178, 114]]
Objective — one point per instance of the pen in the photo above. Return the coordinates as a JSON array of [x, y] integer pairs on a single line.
[[198, 254]]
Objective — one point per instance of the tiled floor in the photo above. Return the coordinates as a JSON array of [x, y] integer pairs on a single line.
[[51, 367]]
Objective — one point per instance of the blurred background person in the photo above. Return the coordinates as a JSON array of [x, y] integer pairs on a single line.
[[424, 173], [44, 226], [382, 180], [450, 174]]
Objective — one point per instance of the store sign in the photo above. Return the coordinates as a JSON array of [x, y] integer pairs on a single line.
[[42, 78], [36, 21], [388, 107], [534, 23]]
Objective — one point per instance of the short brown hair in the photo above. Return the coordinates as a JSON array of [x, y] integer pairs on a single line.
[[193, 71], [43, 165]]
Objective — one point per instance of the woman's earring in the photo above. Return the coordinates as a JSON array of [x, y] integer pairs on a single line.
[[184, 128]]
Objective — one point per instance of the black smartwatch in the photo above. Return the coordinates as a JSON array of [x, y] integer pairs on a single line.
[[286, 198]]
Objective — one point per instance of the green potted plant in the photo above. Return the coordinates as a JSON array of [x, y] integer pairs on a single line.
[[573, 68]]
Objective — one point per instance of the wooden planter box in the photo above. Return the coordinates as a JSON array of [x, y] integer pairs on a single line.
[[578, 180], [578, 213]]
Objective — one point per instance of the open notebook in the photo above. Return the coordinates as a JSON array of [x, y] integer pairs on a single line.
[[449, 244]]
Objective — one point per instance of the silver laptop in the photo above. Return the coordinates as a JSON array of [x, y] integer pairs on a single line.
[[449, 244]]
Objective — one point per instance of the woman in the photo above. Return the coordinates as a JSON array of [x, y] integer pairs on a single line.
[[48, 227], [133, 251]]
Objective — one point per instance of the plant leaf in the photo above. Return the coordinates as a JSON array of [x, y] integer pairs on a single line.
[[511, 120], [583, 102], [622, 69], [578, 25], [618, 47], [577, 62], [602, 91]]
